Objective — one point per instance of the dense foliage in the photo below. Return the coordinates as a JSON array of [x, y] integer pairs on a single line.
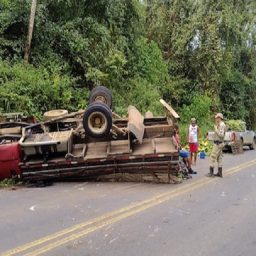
[[197, 55]]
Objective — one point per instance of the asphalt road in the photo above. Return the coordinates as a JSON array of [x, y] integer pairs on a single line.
[[202, 216]]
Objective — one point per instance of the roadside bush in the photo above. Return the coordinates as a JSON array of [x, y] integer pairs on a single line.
[[147, 62], [236, 125], [7, 183], [31, 90], [139, 93], [199, 109]]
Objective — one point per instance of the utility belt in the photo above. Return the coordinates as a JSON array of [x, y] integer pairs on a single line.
[[217, 142]]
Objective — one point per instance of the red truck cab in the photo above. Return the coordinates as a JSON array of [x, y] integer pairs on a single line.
[[9, 160]]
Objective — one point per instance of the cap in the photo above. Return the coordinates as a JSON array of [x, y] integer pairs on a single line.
[[219, 115], [193, 119]]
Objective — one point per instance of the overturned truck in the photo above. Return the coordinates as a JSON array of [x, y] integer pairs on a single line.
[[97, 144]]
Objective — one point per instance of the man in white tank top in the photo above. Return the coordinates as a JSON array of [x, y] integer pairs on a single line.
[[193, 140]]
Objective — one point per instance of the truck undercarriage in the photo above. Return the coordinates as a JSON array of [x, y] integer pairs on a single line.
[[97, 144]]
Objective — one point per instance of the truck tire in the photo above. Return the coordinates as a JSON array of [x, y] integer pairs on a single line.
[[101, 94], [253, 145], [97, 120], [54, 114], [241, 148]]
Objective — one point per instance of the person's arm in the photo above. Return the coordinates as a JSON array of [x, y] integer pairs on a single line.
[[198, 133]]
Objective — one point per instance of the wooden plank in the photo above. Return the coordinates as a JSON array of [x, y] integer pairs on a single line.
[[136, 123], [170, 109], [157, 131]]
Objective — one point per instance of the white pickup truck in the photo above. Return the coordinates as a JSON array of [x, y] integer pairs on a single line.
[[231, 140], [235, 138], [248, 137]]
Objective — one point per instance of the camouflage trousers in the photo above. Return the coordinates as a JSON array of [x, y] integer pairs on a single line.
[[216, 155]]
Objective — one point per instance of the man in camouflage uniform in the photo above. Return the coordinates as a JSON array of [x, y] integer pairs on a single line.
[[218, 144]]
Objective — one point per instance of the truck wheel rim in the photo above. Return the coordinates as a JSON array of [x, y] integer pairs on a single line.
[[100, 99], [97, 122]]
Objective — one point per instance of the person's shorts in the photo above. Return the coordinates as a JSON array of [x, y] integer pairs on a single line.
[[193, 147], [184, 153]]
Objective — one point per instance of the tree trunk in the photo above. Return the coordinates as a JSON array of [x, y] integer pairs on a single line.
[[30, 31]]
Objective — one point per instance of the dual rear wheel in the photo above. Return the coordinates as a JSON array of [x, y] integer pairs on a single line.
[[97, 119], [101, 94]]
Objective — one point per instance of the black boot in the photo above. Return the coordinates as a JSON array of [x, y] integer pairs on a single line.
[[219, 174], [210, 174], [190, 171]]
